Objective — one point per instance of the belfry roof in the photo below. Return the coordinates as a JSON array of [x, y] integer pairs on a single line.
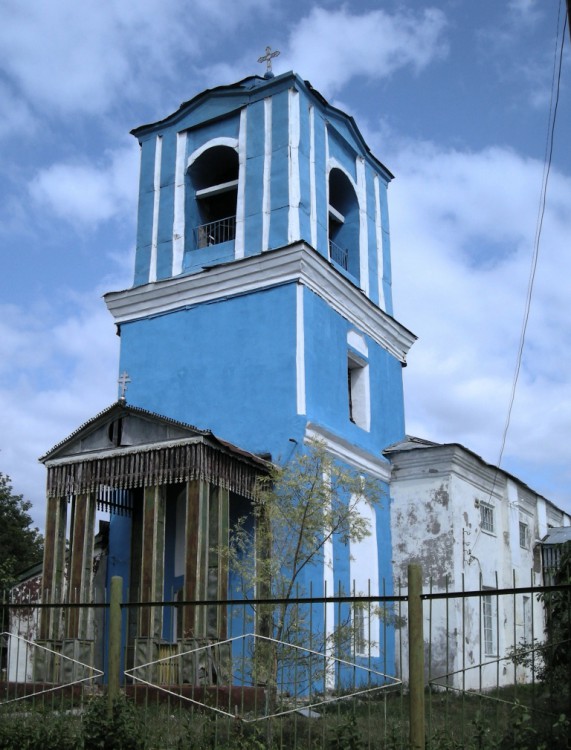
[[254, 88]]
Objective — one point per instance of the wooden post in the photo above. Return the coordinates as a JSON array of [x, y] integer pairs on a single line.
[[113, 672], [415, 657], [54, 561], [191, 566], [152, 561], [80, 573]]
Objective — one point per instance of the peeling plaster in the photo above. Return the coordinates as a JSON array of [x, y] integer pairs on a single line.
[[441, 496]]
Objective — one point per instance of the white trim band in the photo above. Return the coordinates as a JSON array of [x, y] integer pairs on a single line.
[[297, 263]]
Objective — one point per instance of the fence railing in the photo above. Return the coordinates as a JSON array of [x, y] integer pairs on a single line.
[[339, 255], [216, 232], [340, 664]]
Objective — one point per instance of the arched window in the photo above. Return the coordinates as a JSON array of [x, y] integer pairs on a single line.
[[211, 205], [343, 223]]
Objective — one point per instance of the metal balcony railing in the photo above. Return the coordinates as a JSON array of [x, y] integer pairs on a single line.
[[216, 232], [339, 255]]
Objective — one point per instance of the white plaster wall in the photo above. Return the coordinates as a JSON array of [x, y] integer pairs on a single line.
[[436, 522], [422, 533], [24, 627]]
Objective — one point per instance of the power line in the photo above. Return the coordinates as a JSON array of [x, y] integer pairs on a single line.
[[554, 102]]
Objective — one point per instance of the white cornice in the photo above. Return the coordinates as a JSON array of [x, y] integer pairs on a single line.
[[444, 460], [296, 263], [359, 459]]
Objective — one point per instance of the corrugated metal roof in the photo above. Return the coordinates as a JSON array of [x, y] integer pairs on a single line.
[[558, 535], [414, 443]]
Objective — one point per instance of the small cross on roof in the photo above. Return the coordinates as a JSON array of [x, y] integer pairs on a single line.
[[123, 381], [267, 58]]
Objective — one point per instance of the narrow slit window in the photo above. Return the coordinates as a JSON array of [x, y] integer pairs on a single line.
[[358, 392], [523, 535], [490, 624]]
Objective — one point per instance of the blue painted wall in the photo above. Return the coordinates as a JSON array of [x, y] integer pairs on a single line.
[[230, 365], [217, 115], [326, 384]]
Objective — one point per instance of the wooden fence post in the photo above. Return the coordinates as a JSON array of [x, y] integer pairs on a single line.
[[114, 667], [415, 657]]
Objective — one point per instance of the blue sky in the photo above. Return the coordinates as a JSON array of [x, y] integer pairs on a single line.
[[453, 96]]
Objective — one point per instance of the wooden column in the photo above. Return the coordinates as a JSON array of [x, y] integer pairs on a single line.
[[152, 561], [54, 566], [81, 564], [195, 491], [219, 508], [206, 575]]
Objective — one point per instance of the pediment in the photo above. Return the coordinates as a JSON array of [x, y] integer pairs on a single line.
[[121, 426]]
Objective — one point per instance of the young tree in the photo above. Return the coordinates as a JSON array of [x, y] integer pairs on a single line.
[[556, 651], [299, 508], [21, 545], [550, 659]]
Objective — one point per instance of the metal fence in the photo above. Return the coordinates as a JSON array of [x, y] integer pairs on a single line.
[[394, 671], [339, 255], [215, 232]]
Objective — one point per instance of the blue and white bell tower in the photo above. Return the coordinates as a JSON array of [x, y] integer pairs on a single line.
[[261, 307]]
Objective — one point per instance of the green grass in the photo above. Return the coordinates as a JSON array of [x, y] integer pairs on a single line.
[[453, 721]]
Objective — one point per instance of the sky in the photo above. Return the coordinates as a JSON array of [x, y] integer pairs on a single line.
[[453, 96]]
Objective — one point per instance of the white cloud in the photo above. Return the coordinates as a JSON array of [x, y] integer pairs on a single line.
[[86, 193], [54, 375], [466, 302], [331, 47], [70, 56]]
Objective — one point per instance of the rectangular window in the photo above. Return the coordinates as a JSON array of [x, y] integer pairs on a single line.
[[523, 535], [358, 392], [487, 518], [489, 625]]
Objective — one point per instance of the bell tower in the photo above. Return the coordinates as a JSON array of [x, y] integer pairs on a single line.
[[261, 305]]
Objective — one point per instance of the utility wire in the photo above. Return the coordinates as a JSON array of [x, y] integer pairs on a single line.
[[555, 88]]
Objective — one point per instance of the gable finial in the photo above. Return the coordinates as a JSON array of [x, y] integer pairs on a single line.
[[123, 381], [267, 58]]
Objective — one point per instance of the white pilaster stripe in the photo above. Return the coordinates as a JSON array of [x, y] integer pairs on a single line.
[[293, 171], [178, 221], [312, 188], [156, 201], [266, 195], [300, 352], [329, 590], [363, 226], [379, 242], [241, 200]]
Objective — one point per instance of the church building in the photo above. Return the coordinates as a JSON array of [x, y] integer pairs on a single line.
[[260, 319]]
